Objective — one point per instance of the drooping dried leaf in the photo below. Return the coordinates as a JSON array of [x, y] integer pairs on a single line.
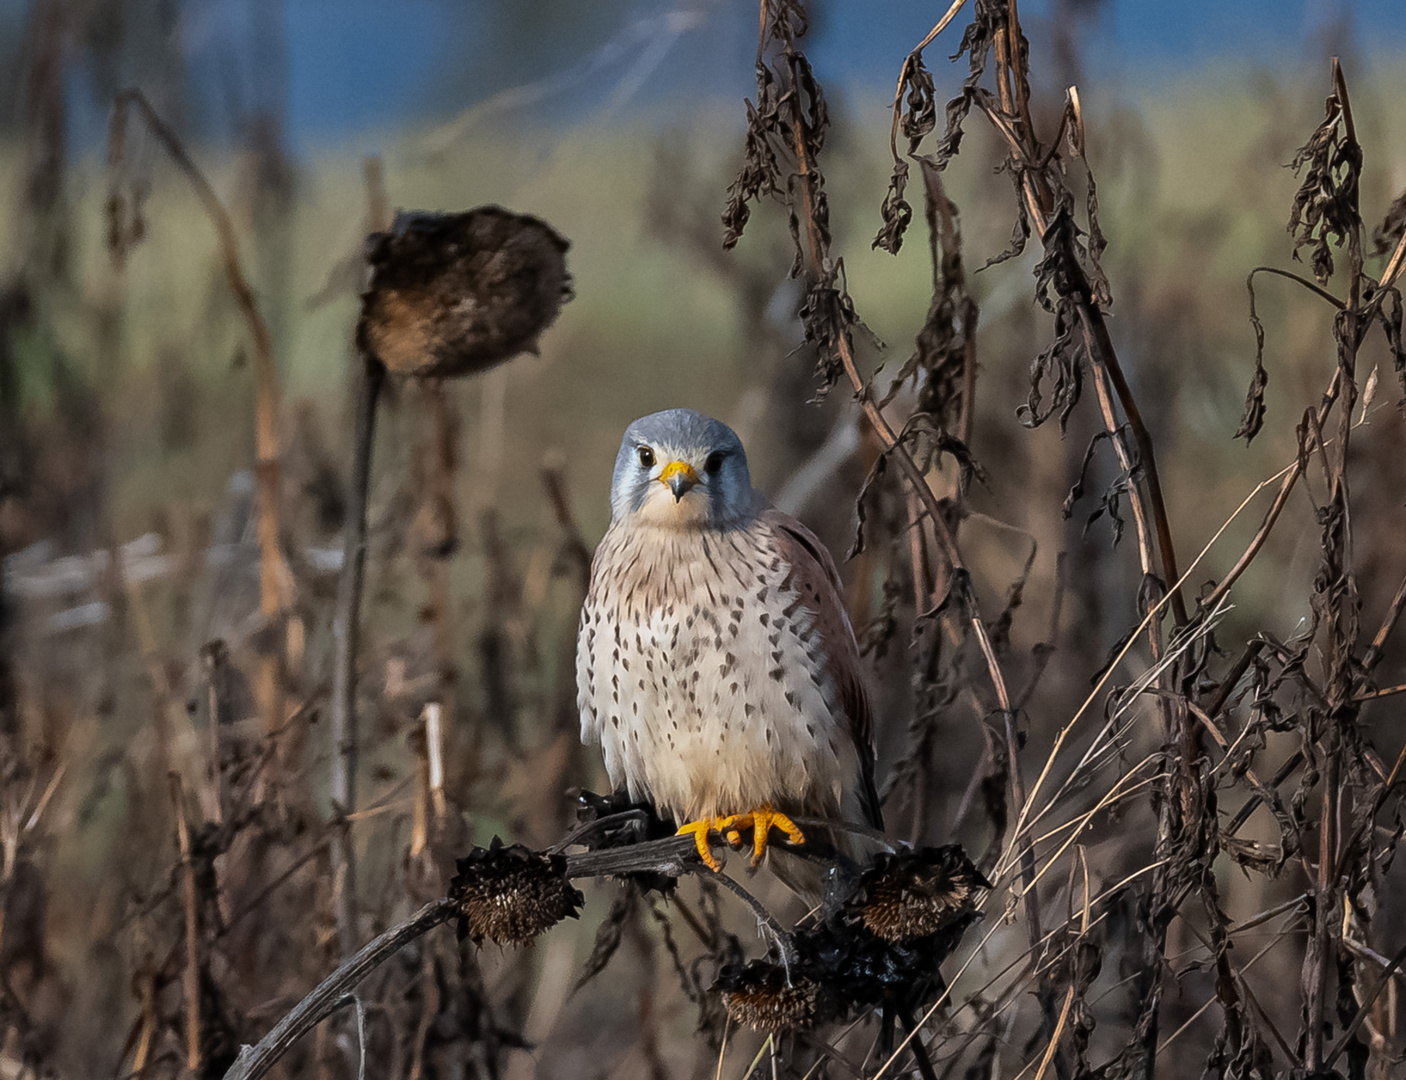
[[1388, 234], [1252, 419], [978, 40], [1000, 628], [1110, 503], [916, 119], [1061, 365], [1389, 317], [1239, 1052], [1091, 251], [919, 117], [938, 678], [787, 124], [940, 355], [1021, 229], [786, 20], [609, 934], [827, 315], [1325, 209], [927, 442], [1076, 490], [1254, 855], [761, 171], [896, 211], [862, 502], [882, 629]]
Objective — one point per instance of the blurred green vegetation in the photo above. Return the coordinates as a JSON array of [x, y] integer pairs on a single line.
[[1193, 194]]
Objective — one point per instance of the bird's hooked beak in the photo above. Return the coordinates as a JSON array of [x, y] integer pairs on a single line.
[[679, 476]]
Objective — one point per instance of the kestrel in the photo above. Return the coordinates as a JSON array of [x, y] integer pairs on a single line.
[[715, 664]]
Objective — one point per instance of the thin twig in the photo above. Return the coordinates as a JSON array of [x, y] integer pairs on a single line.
[[574, 545], [1373, 655], [1281, 499], [1386, 691], [329, 995], [191, 977], [342, 729], [1058, 1030], [1364, 1007]]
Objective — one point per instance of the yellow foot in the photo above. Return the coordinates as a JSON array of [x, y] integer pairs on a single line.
[[761, 821], [701, 830]]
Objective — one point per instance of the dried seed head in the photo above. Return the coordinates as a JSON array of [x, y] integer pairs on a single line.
[[759, 995], [452, 294], [884, 949], [511, 894], [911, 894]]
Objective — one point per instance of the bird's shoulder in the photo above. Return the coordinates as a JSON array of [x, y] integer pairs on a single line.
[[811, 564]]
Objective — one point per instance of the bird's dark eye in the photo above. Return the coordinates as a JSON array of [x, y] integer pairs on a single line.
[[646, 457], [714, 462]]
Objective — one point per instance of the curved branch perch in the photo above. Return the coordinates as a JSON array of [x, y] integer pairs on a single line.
[[673, 855]]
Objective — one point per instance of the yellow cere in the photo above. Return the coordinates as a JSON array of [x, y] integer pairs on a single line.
[[674, 468]]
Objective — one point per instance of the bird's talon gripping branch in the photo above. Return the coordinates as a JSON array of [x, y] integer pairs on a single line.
[[761, 821], [701, 830], [764, 819]]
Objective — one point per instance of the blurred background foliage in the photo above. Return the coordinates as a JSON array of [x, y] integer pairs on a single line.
[[127, 403]]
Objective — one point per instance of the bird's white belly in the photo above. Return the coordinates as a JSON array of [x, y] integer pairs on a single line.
[[716, 705]]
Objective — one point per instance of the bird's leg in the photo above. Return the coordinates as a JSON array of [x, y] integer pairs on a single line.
[[761, 821]]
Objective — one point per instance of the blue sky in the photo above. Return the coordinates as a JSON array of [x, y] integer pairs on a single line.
[[356, 66], [358, 63]]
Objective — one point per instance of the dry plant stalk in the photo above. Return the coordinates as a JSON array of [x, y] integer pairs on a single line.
[[449, 295], [368, 375], [191, 974], [274, 576]]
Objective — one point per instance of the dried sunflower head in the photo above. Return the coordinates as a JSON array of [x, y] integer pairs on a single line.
[[760, 995], [511, 894], [452, 294], [884, 950], [911, 894]]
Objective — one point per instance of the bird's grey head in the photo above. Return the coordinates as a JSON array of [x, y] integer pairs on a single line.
[[681, 469]]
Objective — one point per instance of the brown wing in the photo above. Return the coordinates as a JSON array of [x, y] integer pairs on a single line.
[[814, 576]]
